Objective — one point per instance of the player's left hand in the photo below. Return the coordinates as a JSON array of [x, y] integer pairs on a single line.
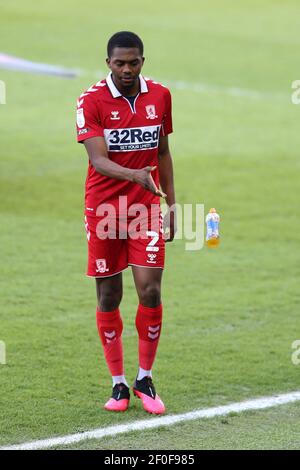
[[170, 225]]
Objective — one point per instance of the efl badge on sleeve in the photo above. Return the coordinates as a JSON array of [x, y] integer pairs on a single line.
[[80, 118]]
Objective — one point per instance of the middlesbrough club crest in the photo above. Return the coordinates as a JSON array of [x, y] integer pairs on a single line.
[[151, 113], [101, 266]]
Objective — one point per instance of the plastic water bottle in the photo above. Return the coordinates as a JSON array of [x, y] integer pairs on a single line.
[[212, 228]]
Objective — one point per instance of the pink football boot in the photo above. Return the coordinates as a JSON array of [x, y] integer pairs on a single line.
[[144, 389], [119, 400]]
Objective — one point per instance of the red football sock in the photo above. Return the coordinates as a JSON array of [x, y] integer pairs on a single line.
[[148, 324], [110, 327]]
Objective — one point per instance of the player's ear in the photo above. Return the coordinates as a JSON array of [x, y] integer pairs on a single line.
[[108, 62]]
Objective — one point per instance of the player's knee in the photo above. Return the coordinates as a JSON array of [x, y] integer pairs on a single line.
[[110, 300], [150, 295]]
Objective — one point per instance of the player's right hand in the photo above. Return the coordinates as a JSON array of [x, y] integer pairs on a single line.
[[144, 178]]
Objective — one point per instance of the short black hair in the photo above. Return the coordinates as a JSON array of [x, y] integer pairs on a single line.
[[124, 39]]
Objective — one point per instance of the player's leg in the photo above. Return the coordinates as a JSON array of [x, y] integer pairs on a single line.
[[109, 322], [148, 324], [148, 285], [109, 292], [149, 315], [146, 254], [107, 258]]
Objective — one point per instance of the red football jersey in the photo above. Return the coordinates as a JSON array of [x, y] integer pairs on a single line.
[[131, 134]]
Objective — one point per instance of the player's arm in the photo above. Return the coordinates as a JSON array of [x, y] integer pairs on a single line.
[[165, 169], [98, 155], [166, 178]]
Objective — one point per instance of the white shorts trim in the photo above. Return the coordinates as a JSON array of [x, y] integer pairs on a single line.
[[142, 266], [109, 275]]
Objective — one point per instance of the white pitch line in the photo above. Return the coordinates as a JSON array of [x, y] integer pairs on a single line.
[[155, 422]]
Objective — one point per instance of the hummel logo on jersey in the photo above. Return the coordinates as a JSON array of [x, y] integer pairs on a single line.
[[151, 113], [115, 116], [134, 138]]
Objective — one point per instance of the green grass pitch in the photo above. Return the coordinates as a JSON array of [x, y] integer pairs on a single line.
[[231, 314]]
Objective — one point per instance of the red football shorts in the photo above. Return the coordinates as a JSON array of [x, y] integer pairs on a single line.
[[114, 245]]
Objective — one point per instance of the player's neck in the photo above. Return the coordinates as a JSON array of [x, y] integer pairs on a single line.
[[127, 91]]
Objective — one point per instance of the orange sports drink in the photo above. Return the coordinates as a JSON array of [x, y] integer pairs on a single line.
[[212, 228]]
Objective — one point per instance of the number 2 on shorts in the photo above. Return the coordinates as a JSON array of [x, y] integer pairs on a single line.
[[151, 245]]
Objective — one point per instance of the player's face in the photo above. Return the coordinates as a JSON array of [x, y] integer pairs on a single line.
[[126, 65]]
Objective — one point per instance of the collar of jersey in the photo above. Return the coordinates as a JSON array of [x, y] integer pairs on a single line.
[[115, 92]]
